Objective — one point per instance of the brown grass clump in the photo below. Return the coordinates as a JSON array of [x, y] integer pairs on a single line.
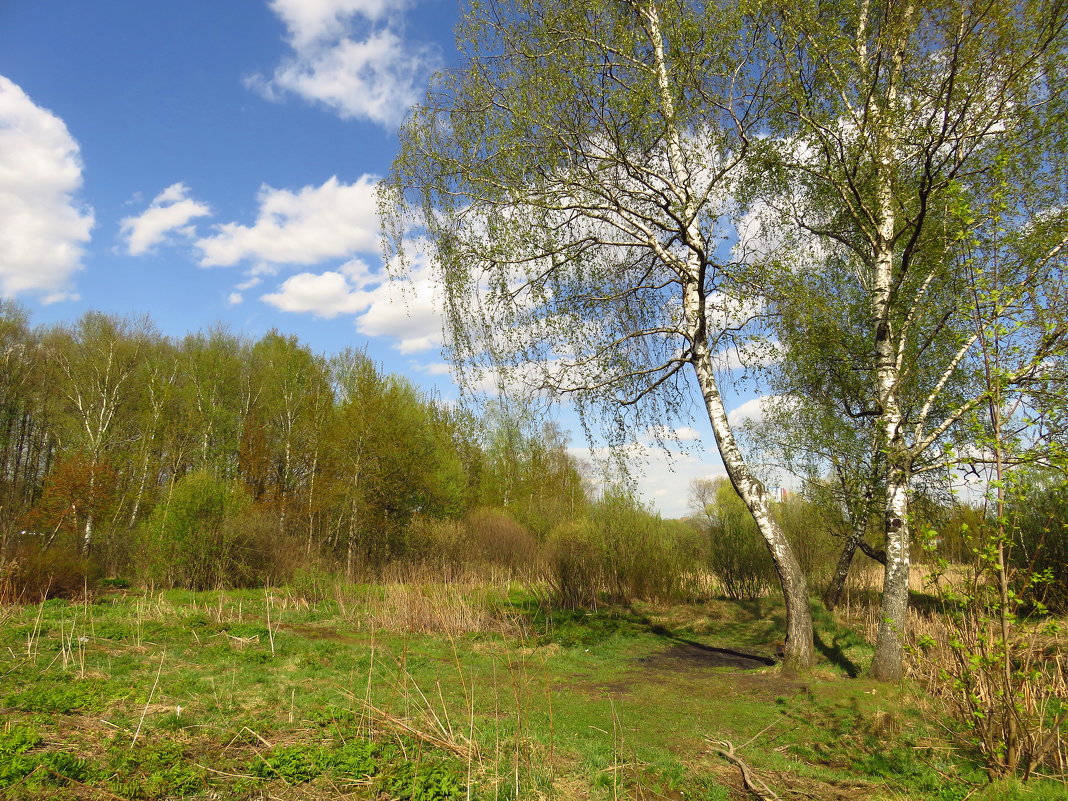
[[427, 600]]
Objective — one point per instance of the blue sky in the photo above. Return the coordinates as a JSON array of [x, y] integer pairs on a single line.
[[215, 162]]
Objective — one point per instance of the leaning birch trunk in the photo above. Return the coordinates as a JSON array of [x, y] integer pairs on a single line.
[[798, 653]]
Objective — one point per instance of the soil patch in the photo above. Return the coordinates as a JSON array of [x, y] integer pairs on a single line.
[[323, 633], [686, 654]]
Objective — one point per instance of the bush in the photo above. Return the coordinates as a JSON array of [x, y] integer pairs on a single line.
[[196, 539], [816, 548], [34, 573], [1041, 542], [498, 539], [445, 543], [737, 554], [621, 552], [575, 553]]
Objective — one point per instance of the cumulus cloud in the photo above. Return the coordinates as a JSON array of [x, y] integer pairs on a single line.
[[663, 477], [171, 210], [324, 295], [408, 314], [314, 226], [304, 227], [311, 21], [436, 368], [757, 353], [42, 228], [406, 309], [750, 411], [683, 434], [350, 56]]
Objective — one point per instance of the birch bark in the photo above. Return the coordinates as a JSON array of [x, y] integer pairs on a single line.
[[798, 651]]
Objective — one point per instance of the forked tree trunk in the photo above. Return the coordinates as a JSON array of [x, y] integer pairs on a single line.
[[833, 593]]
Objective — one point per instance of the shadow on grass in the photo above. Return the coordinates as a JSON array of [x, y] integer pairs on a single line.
[[834, 654], [584, 627]]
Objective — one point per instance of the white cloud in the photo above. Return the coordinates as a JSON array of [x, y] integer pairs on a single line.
[[42, 230], [235, 298], [409, 314], [436, 368], [325, 295], [349, 56], [410, 309], [750, 411], [170, 210], [683, 434], [759, 353], [406, 308], [311, 21], [308, 226]]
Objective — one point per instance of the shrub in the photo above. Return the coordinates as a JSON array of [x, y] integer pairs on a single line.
[[36, 573], [738, 556], [1041, 542], [576, 574], [498, 539], [446, 543], [620, 552], [194, 538]]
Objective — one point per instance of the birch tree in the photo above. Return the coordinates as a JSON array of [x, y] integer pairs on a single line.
[[575, 176], [921, 145], [95, 363]]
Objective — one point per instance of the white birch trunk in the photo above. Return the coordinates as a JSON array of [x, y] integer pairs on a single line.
[[886, 664], [798, 652]]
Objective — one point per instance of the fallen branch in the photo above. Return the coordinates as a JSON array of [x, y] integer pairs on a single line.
[[751, 783]]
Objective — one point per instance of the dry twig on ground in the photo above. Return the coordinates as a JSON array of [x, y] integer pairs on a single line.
[[749, 780]]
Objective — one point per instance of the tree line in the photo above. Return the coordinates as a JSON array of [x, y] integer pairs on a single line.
[[213, 458]]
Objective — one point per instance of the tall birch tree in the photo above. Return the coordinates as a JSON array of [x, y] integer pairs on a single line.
[[575, 176], [921, 146]]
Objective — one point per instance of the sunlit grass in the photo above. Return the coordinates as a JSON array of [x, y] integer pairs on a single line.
[[439, 691]]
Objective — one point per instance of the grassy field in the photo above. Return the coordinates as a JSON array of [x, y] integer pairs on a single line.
[[426, 691]]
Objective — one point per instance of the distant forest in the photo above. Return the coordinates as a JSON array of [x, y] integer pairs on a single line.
[[215, 459]]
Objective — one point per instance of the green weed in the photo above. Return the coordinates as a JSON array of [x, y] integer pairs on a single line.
[[423, 781], [63, 698]]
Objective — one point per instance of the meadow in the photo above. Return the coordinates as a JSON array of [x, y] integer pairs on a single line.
[[472, 688]]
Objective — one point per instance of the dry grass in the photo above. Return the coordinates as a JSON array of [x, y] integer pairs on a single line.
[[959, 660], [425, 600]]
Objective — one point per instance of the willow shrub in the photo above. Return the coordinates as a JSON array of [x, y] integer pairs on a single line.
[[199, 537], [620, 552], [1041, 542]]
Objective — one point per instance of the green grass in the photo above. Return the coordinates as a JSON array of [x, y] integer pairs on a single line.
[[187, 695]]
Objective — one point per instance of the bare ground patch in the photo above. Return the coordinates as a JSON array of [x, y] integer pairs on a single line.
[[686, 655]]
